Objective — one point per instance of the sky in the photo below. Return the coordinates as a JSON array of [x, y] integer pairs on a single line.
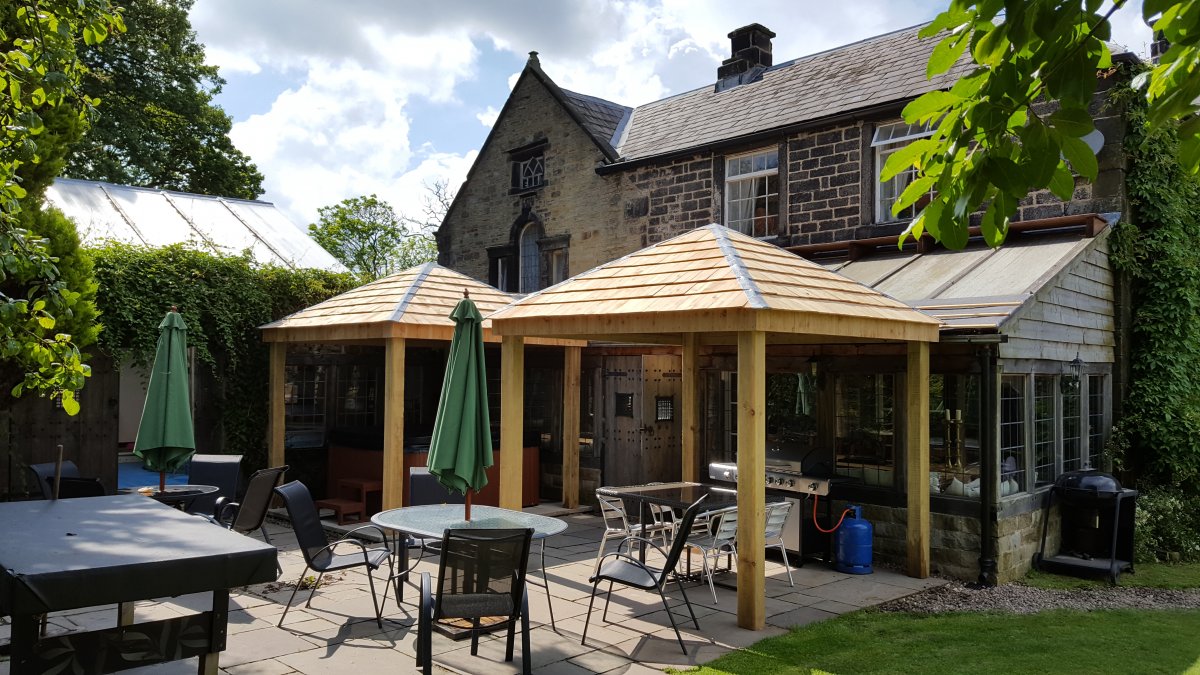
[[343, 99]]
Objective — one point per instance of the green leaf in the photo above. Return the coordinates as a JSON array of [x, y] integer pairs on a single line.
[[1072, 121], [1005, 174], [992, 47], [1081, 157], [914, 191], [1189, 153], [69, 404], [929, 105], [906, 157], [945, 54], [1062, 183]]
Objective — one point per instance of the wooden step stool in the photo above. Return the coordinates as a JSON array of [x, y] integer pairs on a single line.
[[342, 509], [351, 499]]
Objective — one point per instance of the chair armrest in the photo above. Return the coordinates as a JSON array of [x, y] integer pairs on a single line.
[[382, 534], [656, 547], [220, 508], [628, 558]]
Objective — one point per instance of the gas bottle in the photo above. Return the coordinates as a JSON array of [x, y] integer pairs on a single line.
[[853, 543]]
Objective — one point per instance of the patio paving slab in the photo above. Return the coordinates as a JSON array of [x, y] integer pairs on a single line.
[[338, 633]]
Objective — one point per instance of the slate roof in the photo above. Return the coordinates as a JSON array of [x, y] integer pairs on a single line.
[[602, 117], [878, 70]]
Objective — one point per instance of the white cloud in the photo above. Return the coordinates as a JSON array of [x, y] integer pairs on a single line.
[[488, 117]]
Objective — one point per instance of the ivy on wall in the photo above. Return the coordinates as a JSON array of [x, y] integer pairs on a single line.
[[223, 299], [1159, 435]]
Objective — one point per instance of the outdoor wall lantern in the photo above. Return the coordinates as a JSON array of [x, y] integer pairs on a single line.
[[1072, 374]]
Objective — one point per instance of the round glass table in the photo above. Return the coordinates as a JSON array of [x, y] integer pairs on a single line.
[[431, 521], [179, 496]]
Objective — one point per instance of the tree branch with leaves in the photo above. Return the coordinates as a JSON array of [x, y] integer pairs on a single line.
[[1016, 122], [39, 69], [370, 239]]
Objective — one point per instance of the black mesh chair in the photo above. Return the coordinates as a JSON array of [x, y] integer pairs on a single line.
[[250, 514], [72, 488], [222, 471], [42, 476], [625, 569], [322, 556], [481, 574]]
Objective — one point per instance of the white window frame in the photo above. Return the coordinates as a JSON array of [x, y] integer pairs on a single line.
[[739, 211], [889, 138], [531, 173]]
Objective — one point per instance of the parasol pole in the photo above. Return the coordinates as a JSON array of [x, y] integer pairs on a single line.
[[58, 471], [467, 505]]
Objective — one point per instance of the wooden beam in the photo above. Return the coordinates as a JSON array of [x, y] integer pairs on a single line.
[[393, 424], [689, 407], [512, 420], [275, 419], [751, 486], [917, 451], [570, 429]]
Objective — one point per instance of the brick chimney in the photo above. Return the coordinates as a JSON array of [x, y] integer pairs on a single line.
[[751, 55]]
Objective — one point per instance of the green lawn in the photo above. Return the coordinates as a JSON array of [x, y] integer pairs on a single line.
[[1124, 641], [1157, 575]]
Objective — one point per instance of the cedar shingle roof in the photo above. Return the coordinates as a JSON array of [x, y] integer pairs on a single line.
[[421, 296], [883, 69], [722, 274]]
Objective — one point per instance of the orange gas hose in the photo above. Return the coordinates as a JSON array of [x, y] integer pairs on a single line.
[[818, 525]]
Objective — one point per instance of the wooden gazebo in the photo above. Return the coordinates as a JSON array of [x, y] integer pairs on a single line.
[[714, 286], [413, 305]]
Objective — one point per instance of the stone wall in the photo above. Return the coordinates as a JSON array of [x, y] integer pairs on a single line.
[[574, 201], [954, 540], [670, 198]]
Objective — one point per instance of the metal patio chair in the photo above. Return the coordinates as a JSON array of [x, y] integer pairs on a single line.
[[481, 574], [321, 556], [618, 526], [777, 515], [627, 570], [719, 538]]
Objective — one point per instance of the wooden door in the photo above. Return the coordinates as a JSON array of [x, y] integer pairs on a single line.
[[623, 411], [641, 411]]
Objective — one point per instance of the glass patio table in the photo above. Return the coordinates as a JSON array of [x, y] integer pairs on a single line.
[[179, 496], [431, 521]]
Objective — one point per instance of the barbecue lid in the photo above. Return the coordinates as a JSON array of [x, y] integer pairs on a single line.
[[1091, 479]]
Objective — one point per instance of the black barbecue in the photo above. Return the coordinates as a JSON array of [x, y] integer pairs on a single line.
[[1097, 523]]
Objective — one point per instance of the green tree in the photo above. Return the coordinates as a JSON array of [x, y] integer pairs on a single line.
[[157, 125], [369, 238], [1016, 121], [39, 69]]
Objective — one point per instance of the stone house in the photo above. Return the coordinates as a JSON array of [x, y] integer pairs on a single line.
[[1026, 373]]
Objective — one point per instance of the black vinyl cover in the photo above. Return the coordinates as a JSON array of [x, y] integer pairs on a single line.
[[72, 553]]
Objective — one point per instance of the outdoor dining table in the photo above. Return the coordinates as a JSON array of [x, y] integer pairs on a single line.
[[431, 522], [179, 496], [679, 495], [89, 552]]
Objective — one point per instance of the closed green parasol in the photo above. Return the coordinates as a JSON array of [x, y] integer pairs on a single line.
[[165, 439], [460, 450]]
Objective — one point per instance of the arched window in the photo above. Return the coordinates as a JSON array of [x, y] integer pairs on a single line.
[[531, 273]]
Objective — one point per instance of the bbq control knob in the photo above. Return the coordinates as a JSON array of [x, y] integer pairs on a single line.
[[770, 480], [727, 474], [791, 482]]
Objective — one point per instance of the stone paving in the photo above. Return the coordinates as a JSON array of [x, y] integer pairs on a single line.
[[338, 633]]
